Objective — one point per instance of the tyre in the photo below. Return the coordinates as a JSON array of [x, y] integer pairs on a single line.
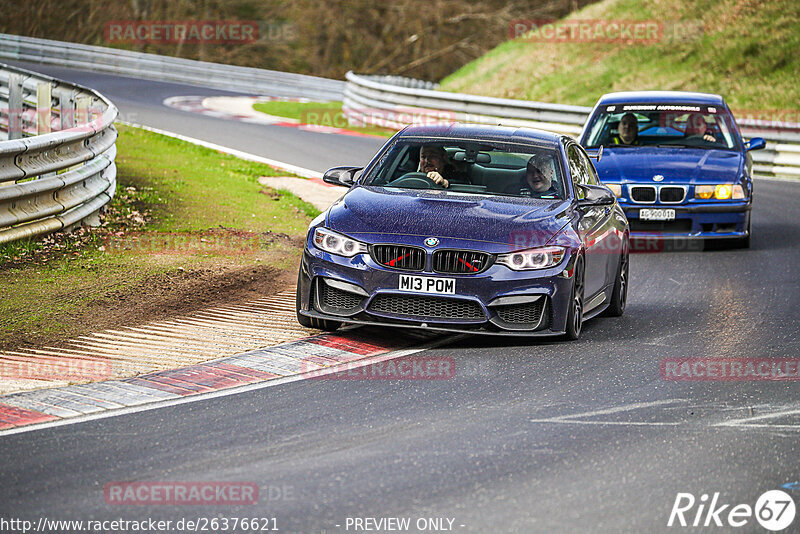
[[619, 296], [575, 313], [313, 322]]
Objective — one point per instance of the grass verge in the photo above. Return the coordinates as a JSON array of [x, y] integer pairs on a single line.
[[318, 113], [745, 51], [189, 227]]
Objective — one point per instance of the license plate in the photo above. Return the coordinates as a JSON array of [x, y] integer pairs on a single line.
[[656, 214], [428, 284]]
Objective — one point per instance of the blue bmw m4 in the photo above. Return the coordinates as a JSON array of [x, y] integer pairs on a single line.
[[479, 229], [677, 163]]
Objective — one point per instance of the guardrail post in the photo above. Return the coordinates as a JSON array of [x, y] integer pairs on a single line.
[[82, 105], [44, 104], [67, 105], [14, 106]]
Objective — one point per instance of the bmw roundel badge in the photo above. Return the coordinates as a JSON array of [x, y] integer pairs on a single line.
[[431, 242]]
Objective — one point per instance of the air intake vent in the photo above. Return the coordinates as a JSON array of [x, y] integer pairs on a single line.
[[422, 307]]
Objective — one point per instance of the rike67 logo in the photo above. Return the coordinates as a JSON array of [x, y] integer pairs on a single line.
[[774, 510]]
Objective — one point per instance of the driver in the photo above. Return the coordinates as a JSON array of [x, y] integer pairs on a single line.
[[696, 126], [433, 162], [628, 130]]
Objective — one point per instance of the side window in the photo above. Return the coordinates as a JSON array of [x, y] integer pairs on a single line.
[[589, 170], [577, 168]]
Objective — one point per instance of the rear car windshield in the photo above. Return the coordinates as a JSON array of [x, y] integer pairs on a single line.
[[474, 168], [677, 125]]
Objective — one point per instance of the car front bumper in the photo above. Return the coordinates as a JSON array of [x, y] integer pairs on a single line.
[[692, 221], [536, 302]]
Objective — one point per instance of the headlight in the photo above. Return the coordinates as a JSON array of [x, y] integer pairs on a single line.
[[615, 188], [535, 258], [719, 192], [330, 241]]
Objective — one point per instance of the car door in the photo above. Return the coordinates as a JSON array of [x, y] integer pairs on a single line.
[[593, 227]]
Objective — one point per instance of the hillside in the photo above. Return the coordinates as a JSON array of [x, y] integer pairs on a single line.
[[746, 50]]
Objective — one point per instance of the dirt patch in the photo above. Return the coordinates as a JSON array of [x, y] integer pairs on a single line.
[[160, 297]]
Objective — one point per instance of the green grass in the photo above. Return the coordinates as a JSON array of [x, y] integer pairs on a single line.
[[319, 113], [57, 285], [746, 51], [200, 188]]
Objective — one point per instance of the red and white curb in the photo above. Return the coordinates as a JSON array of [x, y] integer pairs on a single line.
[[238, 112], [311, 357]]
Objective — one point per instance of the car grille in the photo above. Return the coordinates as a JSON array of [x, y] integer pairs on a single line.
[[459, 261], [643, 193], [423, 307], [334, 300], [671, 194], [528, 313], [399, 257]]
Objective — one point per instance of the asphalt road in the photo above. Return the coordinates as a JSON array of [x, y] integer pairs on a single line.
[[528, 436]]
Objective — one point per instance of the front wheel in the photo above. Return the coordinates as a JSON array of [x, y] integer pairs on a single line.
[[619, 297], [575, 313]]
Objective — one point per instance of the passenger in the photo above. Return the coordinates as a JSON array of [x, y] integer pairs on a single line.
[[537, 183], [433, 162], [628, 130]]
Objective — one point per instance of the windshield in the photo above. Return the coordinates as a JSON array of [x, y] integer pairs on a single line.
[[471, 168], [688, 126]]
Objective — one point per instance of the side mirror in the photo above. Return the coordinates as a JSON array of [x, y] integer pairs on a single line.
[[344, 176], [596, 195], [756, 143]]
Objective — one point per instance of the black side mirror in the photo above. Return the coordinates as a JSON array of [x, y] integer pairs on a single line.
[[344, 176], [756, 143], [596, 195]]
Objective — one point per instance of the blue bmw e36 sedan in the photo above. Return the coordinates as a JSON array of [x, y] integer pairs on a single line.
[[677, 163]]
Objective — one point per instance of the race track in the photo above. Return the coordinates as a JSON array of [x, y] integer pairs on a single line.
[[528, 436]]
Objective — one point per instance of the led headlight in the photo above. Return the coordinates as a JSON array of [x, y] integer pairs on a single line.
[[330, 241], [531, 259], [719, 192]]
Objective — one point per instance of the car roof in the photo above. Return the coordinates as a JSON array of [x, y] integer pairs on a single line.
[[506, 134], [661, 97]]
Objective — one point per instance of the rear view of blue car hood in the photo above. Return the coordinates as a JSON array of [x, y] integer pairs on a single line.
[[366, 212], [676, 165]]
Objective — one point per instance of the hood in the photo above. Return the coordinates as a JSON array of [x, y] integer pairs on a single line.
[[379, 214], [676, 165]]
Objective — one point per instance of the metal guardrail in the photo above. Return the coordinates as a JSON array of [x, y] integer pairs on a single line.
[[57, 149], [393, 102], [168, 69]]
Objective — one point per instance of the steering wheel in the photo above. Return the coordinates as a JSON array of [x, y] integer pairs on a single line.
[[415, 180]]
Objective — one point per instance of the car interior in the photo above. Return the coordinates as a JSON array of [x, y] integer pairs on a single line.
[[487, 171]]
